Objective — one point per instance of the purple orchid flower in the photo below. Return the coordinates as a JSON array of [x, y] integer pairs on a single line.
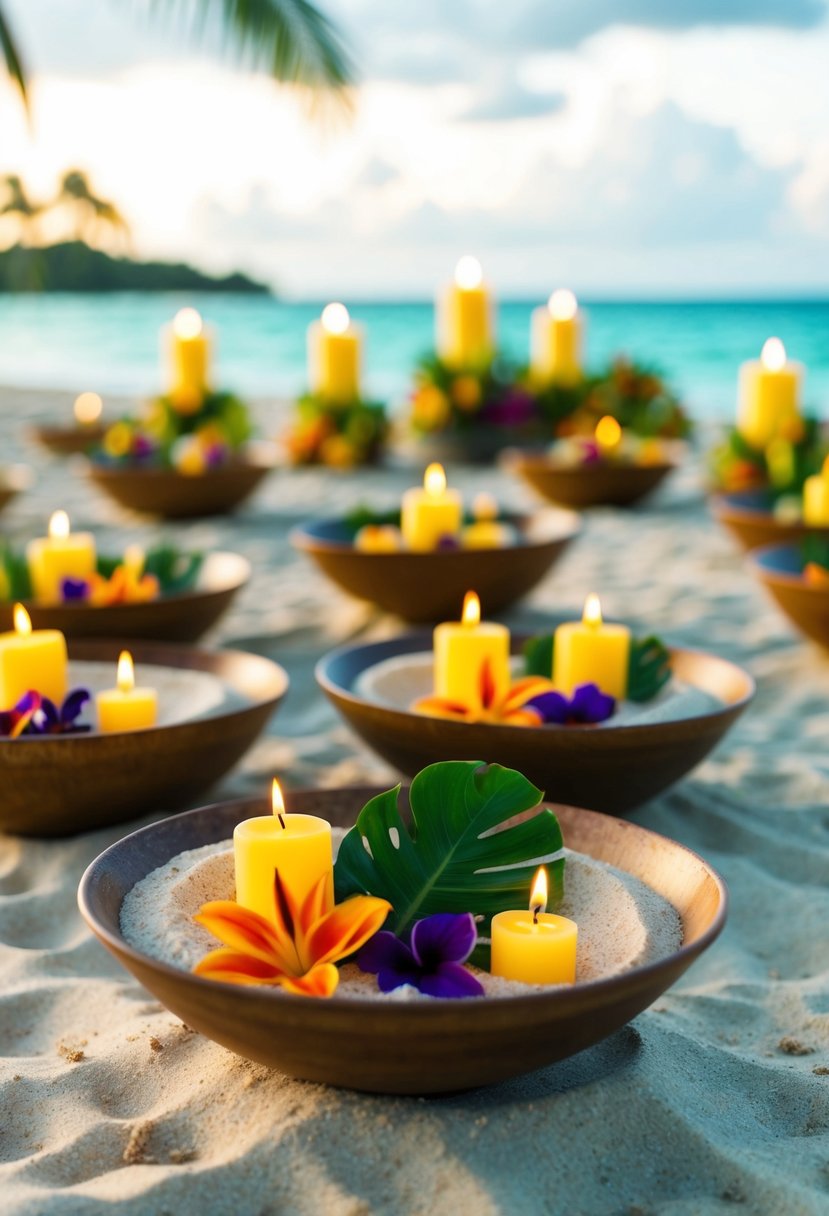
[[431, 960], [447, 543], [513, 408], [142, 446], [587, 706], [13, 722], [49, 720], [72, 589], [216, 455]]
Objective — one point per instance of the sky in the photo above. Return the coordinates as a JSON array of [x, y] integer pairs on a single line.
[[621, 147]]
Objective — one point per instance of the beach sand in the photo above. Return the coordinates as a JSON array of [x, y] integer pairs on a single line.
[[714, 1101]]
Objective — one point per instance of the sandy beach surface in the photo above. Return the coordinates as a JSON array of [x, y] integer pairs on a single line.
[[714, 1101]]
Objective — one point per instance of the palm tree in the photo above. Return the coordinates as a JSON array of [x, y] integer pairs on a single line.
[[290, 39], [23, 209], [90, 212]]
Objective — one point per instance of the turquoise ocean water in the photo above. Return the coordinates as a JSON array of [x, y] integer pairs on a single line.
[[110, 343]]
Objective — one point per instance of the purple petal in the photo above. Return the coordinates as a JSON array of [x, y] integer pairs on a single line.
[[590, 704], [8, 720], [446, 937], [447, 544], [46, 719], [29, 702], [450, 980], [72, 707], [384, 952], [552, 707], [75, 589], [391, 977]]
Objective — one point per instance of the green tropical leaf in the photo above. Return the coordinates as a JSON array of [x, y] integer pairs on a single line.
[[461, 854], [175, 570], [538, 656], [649, 668]]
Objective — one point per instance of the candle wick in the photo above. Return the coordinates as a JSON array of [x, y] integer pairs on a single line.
[[536, 910], [281, 820]]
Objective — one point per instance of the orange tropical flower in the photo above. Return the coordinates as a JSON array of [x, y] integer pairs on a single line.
[[297, 950], [123, 587], [510, 709]]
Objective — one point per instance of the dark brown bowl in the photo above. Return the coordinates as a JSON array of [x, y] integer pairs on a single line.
[[59, 785], [780, 569], [616, 768], [68, 440], [173, 618], [14, 479], [406, 1047], [424, 587], [171, 495], [749, 517], [589, 485]]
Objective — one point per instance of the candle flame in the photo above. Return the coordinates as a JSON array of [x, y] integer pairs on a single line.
[[22, 621], [538, 893], [468, 273], [125, 675], [88, 407], [562, 305], [773, 355], [485, 507], [608, 432], [335, 318], [59, 526], [471, 614], [592, 614], [277, 802], [434, 479], [187, 323]]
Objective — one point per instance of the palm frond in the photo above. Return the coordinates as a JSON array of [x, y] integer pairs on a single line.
[[11, 57]]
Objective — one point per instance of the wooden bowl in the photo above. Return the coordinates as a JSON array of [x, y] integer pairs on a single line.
[[616, 768], [426, 1047], [14, 479], [780, 569], [748, 516], [173, 618], [69, 440], [172, 495], [424, 587], [588, 485], [59, 785]]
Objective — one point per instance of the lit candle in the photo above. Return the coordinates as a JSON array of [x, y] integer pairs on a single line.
[[465, 318], [60, 555], [608, 436], [430, 513], [298, 846], [536, 947], [334, 356], [125, 707], [190, 361], [30, 660], [486, 532], [88, 408], [556, 339], [590, 652], [769, 396], [469, 654], [816, 498]]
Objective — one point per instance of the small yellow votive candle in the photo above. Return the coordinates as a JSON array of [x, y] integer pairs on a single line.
[[485, 532], [334, 356], [465, 334], [190, 351], [608, 436], [816, 498], [555, 340], [591, 652], [769, 396], [88, 408], [536, 946], [60, 555], [32, 660], [430, 513], [125, 707], [468, 653], [298, 846]]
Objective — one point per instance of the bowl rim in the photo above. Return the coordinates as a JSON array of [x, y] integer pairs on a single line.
[[303, 539], [436, 1007], [409, 640], [522, 458], [787, 578], [165, 654]]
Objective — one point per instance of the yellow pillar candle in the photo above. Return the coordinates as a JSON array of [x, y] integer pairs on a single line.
[[467, 652], [334, 356], [536, 947], [32, 661], [556, 340], [88, 408], [60, 555], [816, 498], [125, 707], [591, 652], [430, 513], [769, 396], [298, 846], [190, 349], [465, 318]]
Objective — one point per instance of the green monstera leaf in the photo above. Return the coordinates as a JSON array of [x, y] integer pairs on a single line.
[[458, 855]]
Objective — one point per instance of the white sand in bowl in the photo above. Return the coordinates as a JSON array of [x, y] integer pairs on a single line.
[[622, 922]]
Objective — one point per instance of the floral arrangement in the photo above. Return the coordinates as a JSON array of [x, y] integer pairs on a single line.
[[134, 578], [37, 715], [339, 436], [414, 902], [530, 701], [735, 466], [484, 527], [168, 435], [649, 666], [450, 398], [634, 394]]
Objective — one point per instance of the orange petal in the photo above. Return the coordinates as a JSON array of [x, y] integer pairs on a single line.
[[321, 980], [522, 690], [487, 684], [232, 967], [522, 717], [345, 928], [246, 931], [440, 707], [314, 907]]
